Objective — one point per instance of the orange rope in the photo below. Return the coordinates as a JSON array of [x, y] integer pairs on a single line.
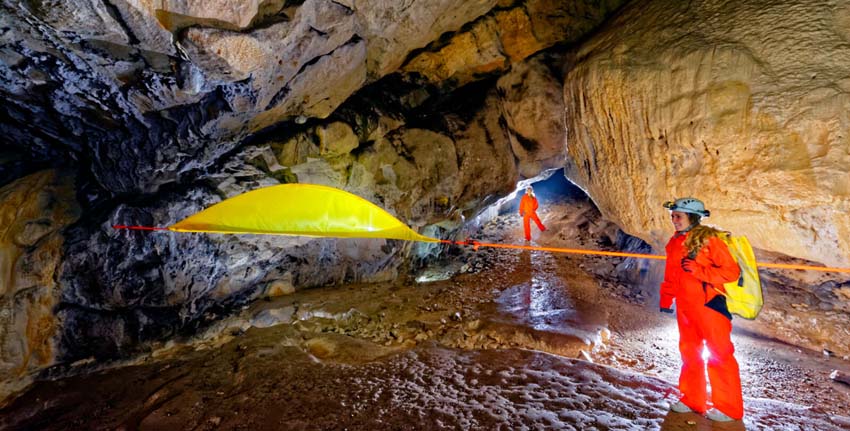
[[121, 226], [803, 267], [476, 244]]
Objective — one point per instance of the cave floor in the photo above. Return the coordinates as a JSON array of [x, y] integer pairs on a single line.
[[513, 340]]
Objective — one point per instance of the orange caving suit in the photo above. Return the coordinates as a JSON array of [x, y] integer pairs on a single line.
[[527, 209], [698, 321]]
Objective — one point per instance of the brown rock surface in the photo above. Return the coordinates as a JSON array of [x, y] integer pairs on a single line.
[[531, 99], [508, 35], [710, 99], [718, 100], [32, 212]]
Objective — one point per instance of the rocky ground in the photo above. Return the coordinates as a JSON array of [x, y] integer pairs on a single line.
[[487, 339]]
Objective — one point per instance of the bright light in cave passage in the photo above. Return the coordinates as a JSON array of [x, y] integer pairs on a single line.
[[549, 185]]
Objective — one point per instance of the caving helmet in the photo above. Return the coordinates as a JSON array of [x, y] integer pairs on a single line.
[[688, 205]]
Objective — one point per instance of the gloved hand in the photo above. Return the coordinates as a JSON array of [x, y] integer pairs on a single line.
[[666, 310], [688, 264], [666, 301]]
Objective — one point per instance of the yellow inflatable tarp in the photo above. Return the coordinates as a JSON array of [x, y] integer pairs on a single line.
[[302, 210]]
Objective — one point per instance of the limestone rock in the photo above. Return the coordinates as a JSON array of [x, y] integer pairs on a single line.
[[153, 91], [272, 317], [124, 290], [508, 35], [487, 168], [394, 28], [533, 108], [714, 100], [476, 51], [33, 212], [839, 376], [280, 288], [249, 169], [336, 139], [427, 176], [174, 15], [296, 150]]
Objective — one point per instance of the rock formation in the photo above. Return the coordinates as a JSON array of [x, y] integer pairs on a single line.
[[140, 112], [160, 109], [33, 212], [744, 105]]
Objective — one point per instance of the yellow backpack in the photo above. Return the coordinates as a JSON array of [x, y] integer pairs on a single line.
[[743, 297]]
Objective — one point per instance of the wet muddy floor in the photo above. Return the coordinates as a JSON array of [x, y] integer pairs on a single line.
[[513, 340]]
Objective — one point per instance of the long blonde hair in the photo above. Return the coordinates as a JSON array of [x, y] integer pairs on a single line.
[[698, 236]]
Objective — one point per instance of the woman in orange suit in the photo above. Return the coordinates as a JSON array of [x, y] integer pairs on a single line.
[[698, 263], [528, 210]]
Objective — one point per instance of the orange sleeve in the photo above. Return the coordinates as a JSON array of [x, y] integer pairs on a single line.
[[715, 265], [668, 289]]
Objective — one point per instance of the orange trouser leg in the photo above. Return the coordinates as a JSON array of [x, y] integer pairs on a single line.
[[692, 376], [537, 221], [697, 324], [526, 225], [723, 370]]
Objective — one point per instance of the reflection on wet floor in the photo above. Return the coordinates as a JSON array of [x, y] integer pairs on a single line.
[[545, 302]]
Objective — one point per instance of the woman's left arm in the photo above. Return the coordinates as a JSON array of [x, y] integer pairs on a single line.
[[714, 264]]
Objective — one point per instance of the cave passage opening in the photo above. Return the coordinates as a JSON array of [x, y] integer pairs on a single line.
[[550, 186], [555, 194]]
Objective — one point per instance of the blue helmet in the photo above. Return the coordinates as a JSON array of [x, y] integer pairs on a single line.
[[688, 205]]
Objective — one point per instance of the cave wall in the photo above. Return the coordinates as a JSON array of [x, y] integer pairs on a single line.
[[163, 109], [150, 90], [160, 109], [33, 213], [146, 94], [742, 104], [124, 290]]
